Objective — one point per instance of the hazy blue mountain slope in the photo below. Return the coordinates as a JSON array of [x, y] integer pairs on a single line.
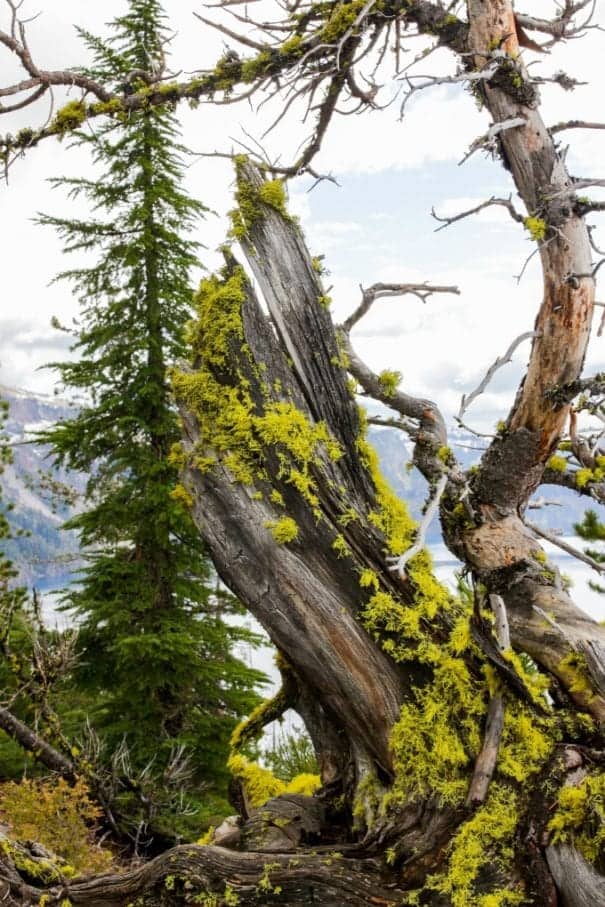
[[48, 554]]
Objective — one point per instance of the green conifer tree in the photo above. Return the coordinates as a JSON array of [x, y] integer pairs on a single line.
[[591, 529], [157, 653]]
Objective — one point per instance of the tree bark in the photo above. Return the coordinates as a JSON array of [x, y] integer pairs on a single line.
[[306, 594], [33, 743], [180, 875]]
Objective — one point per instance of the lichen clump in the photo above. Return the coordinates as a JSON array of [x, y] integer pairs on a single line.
[[488, 835], [235, 429], [389, 382], [580, 817], [69, 117], [558, 463], [536, 227], [440, 729], [284, 530], [250, 200]]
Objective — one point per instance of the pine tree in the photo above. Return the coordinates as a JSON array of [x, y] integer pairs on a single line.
[[156, 650], [591, 529]]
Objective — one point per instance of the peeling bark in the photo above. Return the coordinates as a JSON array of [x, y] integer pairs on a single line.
[[500, 550]]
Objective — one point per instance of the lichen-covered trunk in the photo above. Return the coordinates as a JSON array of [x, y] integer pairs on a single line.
[[282, 497], [285, 489]]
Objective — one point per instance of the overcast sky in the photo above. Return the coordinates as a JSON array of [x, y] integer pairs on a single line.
[[375, 226]]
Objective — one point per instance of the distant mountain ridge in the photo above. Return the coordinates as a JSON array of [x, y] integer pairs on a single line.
[[46, 554], [395, 453], [49, 555]]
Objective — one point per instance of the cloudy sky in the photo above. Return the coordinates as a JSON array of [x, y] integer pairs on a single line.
[[376, 226]]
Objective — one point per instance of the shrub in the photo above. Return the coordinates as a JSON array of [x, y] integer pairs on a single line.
[[60, 817]]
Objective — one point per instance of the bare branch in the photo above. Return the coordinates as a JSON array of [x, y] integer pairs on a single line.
[[539, 503], [501, 625], [482, 75], [398, 564], [491, 202], [405, 425], [33, 743], [575, 185], [489, 141], [467, 399], [243, 39], [381, 290], [494, 724], [485, 764], [569, 549], [431, 433], [563, 27], [575, 124]]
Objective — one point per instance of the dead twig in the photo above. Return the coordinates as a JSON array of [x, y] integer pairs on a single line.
[[398, 564], [569, 549], [490, 203], [467, 399]]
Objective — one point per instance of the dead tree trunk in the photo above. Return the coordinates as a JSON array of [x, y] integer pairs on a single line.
[[326, 592]]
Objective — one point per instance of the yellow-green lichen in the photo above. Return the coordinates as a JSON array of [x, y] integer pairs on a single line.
[[389, 382], [250, 201], [114, 107], [284, 530], [583, 477], [264, 883], [292, 47], [558, 463], [306, 784], [40, 870], [536, 227], [256, 66], [180, 494], [273, 194], [342, 18], [573, 670], [69, 117], [445, 454], [207, 837], [340, 546], [486, 838], [234, 430], [580, 817], [261, 785]]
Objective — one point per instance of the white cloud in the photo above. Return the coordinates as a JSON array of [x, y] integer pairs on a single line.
[[438, 126]]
